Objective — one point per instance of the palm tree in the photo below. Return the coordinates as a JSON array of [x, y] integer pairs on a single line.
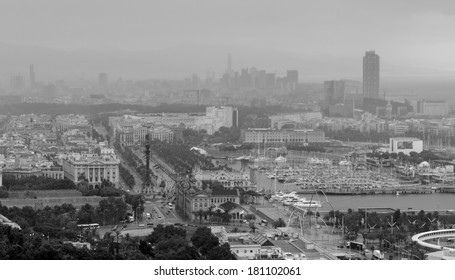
[[210, 212], [226, 217], [279, 223], [331, 215], [200, 214], [218, 215]]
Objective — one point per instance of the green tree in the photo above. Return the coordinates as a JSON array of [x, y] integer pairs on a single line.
[[279, 223], [222, 252], [204, 240], [86, 215], [161, 233]]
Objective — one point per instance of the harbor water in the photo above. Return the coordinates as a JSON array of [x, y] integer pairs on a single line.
[[427, 202], [417, 202]]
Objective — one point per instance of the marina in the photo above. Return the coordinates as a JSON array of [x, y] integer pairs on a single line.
[[342, 186]]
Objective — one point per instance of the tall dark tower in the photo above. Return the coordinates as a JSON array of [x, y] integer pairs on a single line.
[[31, 76], [371, 75], [147, 181]]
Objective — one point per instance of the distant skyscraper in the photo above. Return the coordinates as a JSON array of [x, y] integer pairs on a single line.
[[229, 65], [32, 76], [17, 82], [195, 81], [271, 80], [334, 92], [102, 79], [371, 75], [292, 78]]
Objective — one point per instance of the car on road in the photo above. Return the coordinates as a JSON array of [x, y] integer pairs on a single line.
[[150, 224], [141, 225]]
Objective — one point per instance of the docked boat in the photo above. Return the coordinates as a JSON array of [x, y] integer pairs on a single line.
[[308, 204], [261, 159], [281, 179]]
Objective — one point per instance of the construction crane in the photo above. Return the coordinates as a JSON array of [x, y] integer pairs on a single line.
[[197, 91]]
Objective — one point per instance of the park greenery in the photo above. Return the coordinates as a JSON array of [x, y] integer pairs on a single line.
[[45, 232], [180, 157], [413, 157], [36, 183], [126, 176], [134, 162], [387, 230], [3, 192], [223, 135], [95, 135]]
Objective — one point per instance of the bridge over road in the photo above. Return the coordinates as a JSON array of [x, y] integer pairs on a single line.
[[421, 238]]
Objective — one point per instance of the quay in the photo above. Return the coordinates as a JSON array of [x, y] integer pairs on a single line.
[[398, 190], [445, 189]]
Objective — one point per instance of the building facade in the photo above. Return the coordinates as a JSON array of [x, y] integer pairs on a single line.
[[95, 169], [229, 179], [432, 107], [192, 199], [131, 135], [371, 75], [297, 136], [405, 145]]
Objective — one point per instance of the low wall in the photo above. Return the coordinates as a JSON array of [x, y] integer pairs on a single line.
[[39, 203], [44, 193]]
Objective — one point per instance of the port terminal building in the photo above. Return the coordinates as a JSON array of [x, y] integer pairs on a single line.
[[405, 145]]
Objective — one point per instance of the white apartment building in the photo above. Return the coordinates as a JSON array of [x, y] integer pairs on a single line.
[[283, 136], [128, 136], [214, 118], [432, 107], [228, 179], [222, 116], [162, 134], [405, 145]]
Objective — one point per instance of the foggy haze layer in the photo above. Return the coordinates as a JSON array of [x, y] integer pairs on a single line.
[[173, 39]]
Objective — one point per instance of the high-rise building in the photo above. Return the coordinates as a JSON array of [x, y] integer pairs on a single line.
[[195, 81], [102, 79], [292, 78], [17, 82], [32, 76], [339, 91], [371, 75], [334, 92], [270, 80], [229, 65]]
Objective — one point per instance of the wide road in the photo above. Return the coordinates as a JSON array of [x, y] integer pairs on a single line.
[[137, 179], [160, 173]]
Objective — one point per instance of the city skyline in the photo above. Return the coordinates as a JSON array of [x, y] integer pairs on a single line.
[[175, 39]]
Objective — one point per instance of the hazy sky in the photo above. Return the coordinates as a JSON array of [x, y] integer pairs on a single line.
[[412, 37]]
